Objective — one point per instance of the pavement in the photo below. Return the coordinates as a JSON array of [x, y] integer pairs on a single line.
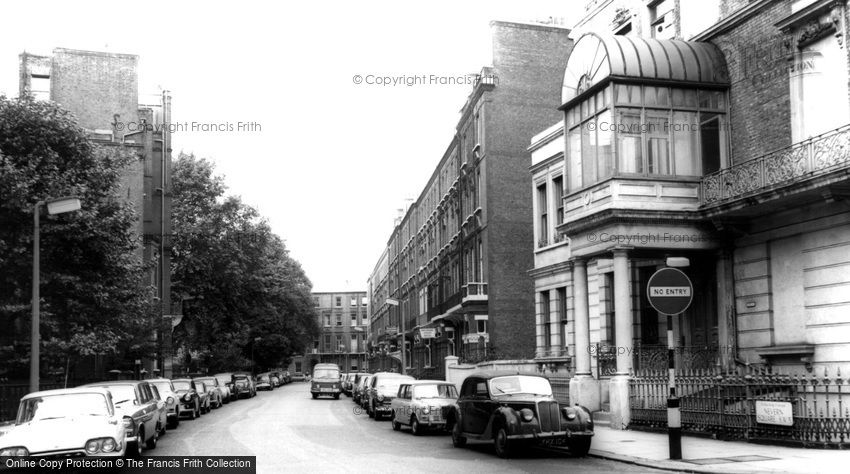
[[705, 455]]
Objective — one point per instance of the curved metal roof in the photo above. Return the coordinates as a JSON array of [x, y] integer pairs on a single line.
[[596, 57]]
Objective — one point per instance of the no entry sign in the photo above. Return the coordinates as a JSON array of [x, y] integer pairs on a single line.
[[670, 291]]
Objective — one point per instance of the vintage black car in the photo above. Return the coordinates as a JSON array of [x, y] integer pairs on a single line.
[[190, 399], [514, 409]]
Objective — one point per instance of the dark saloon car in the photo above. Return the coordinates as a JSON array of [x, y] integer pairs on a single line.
[[383, 387], [139, 408], [190, 399], [264, 381], [512, 409], [244, 386]]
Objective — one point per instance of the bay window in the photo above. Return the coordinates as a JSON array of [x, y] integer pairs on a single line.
[[645, 131]]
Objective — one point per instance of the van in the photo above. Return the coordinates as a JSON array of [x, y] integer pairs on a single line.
[[326, 381]]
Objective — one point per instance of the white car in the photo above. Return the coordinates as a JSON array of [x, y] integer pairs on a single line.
[[66, 422], [168, 393]]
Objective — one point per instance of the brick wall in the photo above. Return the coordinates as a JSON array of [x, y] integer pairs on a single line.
[[529, 62], [760, 109]]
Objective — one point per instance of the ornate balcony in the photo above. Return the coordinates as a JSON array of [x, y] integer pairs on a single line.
[[810, 159]]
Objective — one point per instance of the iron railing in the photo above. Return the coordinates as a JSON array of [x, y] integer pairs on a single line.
[[724, 404], [654, 357], [816, 155]]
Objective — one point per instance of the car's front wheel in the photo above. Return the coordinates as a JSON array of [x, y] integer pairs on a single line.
[[580, 446], [151, 443], [396, 424], [458, 440], [502, 443], [197, 411], [315, 396], [134, 447], [415, 427]]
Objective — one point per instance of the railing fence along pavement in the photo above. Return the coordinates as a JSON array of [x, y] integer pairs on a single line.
[[811, 408]]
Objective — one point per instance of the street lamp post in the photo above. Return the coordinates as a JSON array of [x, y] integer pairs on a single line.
[[54, 206], [252, 353]]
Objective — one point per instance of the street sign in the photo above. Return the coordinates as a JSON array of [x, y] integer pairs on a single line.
[[774, 413], [428, 333], [670, 291]]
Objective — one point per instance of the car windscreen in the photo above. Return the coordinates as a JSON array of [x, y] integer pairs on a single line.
[[434, 391], [62, 406], [390, 385], [122, 394], [208, 381], [520, 384], [263, 378], [182, 385], [223, 380], [326, 374], [162, 387]]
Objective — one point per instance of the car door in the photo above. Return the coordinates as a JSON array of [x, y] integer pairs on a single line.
[[148, 407], [480, 407], [404, 406]]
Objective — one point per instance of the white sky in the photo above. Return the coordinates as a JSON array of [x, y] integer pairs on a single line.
[[334, 160]]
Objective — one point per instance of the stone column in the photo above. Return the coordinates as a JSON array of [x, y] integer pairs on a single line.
[[555, 343], [725, 309], [584, 389], [542, 343], [619, 385]]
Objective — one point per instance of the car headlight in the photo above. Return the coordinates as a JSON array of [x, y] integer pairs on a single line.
[[570, 413], [93, 446], [108, 445], [426, 410], [380, 398], [187, 397], [170, 400], [526, 414], [14, 451], [129, 425]]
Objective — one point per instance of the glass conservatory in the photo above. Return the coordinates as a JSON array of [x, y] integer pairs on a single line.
[[643, 109]]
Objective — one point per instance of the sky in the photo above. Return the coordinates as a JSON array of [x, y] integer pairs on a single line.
[[328, 161]]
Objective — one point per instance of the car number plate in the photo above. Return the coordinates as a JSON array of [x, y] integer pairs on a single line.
[[326, 390]]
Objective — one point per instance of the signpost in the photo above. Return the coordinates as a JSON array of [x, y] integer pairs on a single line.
[[670, 292]]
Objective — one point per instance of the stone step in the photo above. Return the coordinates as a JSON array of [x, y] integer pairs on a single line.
[[601, 418]]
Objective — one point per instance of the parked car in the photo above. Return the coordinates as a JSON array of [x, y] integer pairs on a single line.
[[264, 381], [298, 377], [277, 378], [135, 401], [203, 396], [244, 386], [383, 387], [346, 383], [67, 423], [190, 400], [225, 383], [287, 377], [360, 391], [423, 405], [508, 408], [213, 389], [169, 393], [325, 381], [163, 410]]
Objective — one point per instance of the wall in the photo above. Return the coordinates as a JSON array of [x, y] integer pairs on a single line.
[[529, 61]]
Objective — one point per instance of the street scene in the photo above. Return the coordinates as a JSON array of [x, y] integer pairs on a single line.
[[596, 235]]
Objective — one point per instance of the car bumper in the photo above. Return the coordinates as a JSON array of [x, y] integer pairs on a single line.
[[553, 437]]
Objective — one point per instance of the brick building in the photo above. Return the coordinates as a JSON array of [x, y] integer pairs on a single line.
[[455, 267], [343, 321], [727, 146], [102, 91]]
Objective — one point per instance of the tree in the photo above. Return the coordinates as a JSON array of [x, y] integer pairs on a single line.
[[243, 294], [94, 300]]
